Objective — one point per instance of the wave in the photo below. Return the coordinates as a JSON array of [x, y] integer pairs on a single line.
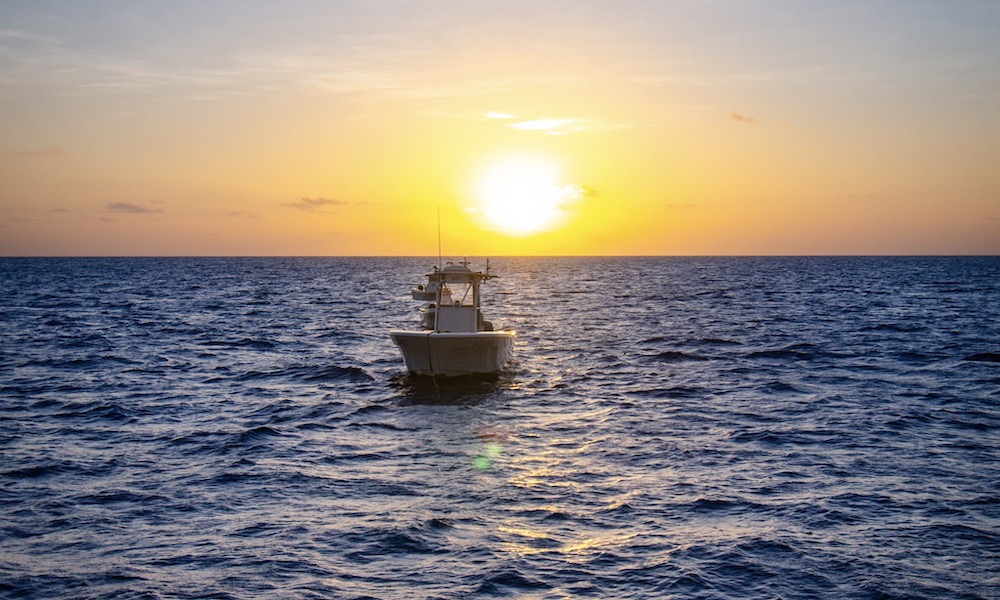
[[88, 411], [306, 373], [992, 357], [780, 387], [677, 391], [257, 434], [253, 343], [335, 373], [673, 356], [795, 352], [39, 471], [509, 581], [894, 328], [706, 341]]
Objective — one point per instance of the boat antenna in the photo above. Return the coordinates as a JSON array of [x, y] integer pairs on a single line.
[[439, 234]]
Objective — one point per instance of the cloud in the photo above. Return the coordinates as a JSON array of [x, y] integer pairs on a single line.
[[314, 204], [128, 207], [241, 214], [556, 126], [742, 118], [549, 125], [50, 152]]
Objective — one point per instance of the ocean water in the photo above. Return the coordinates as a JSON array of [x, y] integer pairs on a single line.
[[671, 428]]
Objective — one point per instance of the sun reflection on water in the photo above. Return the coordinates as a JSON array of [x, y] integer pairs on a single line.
[[526, 541], [557, 470]]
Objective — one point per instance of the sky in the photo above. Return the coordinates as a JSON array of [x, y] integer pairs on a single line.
[[583, 127]]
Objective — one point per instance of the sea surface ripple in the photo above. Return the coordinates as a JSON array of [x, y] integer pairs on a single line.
[[671, 428]]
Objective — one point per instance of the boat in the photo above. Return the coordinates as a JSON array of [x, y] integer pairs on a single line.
[[425, 292], [454, 339]]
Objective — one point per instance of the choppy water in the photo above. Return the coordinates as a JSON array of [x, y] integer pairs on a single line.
[[672, 428]]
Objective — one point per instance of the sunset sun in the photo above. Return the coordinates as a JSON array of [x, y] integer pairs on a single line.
[[523, 197]]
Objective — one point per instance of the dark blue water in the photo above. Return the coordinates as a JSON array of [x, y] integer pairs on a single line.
[[672, 428]]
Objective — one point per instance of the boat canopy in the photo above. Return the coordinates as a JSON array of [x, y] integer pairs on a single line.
[[459, 273]]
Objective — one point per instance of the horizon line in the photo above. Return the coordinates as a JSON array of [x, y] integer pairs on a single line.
[[428, 256]]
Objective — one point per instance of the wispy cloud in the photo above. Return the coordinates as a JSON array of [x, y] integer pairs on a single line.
[[314, 204], [67, 68], [337, 53], [546, 125], [553, 125], [740, 118], [130, 208], [50, 152]]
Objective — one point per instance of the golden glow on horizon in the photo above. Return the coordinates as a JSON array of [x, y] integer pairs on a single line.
[[523, 196]]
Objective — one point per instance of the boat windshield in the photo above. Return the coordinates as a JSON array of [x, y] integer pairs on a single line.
[[457, 294]]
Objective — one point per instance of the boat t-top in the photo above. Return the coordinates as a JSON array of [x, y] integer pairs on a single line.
[[454, 338]]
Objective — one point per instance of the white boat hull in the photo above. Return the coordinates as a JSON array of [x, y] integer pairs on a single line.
[[453, 354]]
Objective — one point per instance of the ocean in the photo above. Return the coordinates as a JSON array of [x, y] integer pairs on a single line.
[[671, 428]]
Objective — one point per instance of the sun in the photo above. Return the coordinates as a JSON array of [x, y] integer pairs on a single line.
[[523, 196]]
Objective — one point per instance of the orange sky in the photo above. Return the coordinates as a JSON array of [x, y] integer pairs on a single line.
[[337, 128]]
